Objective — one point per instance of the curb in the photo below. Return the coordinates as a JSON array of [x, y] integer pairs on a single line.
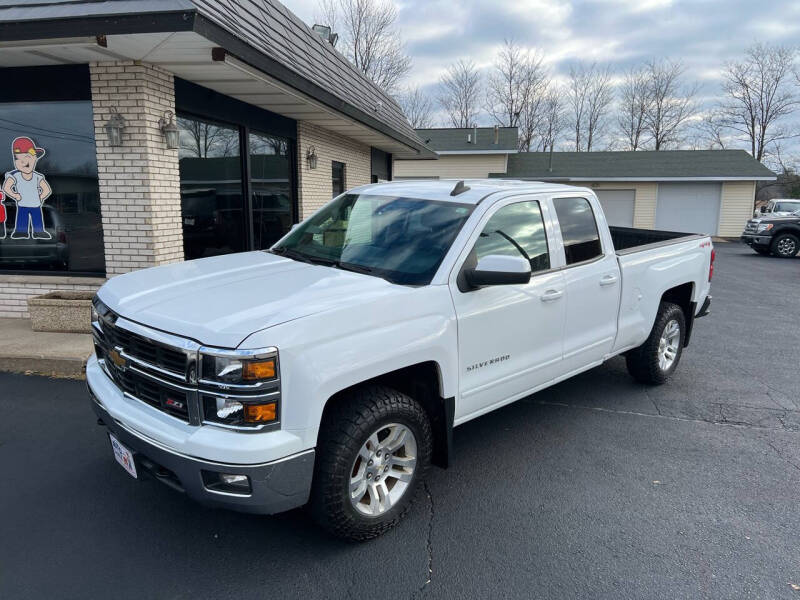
[[60, 368]]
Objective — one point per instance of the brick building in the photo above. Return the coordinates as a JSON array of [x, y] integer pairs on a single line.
[[271, 123]]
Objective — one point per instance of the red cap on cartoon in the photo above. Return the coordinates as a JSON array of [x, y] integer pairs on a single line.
[[25, 145]]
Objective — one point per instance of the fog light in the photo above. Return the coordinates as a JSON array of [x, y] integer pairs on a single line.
[[260, 413], [231, 483], [226, 408]]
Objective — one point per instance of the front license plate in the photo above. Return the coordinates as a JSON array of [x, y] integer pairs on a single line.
[[123, 456]]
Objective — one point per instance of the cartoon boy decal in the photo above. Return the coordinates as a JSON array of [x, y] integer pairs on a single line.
[[28, 188], [2, 218]]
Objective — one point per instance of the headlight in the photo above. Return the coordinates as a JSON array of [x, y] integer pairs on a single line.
[[764, 227], [240, 388], [98, 310]]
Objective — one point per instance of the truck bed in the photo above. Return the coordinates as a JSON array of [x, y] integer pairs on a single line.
[[628, 239]]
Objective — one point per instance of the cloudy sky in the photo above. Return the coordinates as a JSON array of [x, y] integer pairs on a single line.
[[701, 33]]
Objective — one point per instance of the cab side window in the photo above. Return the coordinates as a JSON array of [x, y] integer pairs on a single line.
[[516, 230], [578, 229]]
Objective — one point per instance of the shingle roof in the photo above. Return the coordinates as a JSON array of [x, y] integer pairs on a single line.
[[266, 26], [687, 164], [452, 139]]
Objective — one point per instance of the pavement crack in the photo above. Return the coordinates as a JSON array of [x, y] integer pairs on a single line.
[[721, 420], [780, 454], [649, 397], [428, 540]]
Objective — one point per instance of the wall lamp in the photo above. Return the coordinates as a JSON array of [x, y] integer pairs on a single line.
[[114, 128], [311, 157], [171, 132]]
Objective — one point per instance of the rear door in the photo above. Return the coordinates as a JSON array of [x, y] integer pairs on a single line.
[[509, 336], [592, 278]]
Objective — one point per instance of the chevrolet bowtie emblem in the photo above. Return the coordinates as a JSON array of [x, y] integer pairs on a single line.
[[116, 357]]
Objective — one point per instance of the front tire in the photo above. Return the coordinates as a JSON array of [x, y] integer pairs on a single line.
[[656, 360], [374, 450], [785, 245]]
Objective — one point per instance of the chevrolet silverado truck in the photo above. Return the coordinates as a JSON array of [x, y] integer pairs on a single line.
[[331, 369], [774, 233]]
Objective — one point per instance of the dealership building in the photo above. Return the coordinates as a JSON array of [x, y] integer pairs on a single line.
[[163, 130]]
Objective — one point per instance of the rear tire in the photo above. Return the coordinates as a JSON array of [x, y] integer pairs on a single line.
[[656, 360], [785, 245], [359, 492]]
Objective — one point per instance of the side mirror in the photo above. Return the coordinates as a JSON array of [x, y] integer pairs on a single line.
[[762, 209], [497, 269]]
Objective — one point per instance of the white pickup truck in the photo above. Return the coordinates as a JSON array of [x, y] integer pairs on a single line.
[[332, 368]]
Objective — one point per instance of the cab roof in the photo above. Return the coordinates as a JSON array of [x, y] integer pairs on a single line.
[[440, 189]]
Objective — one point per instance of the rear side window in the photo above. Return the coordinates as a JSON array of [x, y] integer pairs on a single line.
[[516, 230], [578, 229]]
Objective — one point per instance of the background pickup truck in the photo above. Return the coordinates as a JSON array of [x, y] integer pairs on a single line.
[[331, 369], [774, 233]]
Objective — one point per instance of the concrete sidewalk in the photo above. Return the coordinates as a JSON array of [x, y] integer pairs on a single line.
[[23, 350]]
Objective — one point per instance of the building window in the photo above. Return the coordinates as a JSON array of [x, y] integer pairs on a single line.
[[270, 188], [337, 178], [50, 203], [212, 201]]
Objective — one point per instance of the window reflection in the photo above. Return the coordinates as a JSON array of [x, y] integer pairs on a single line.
[[270, 188], [70, 237], [211, 188], [516, 230]]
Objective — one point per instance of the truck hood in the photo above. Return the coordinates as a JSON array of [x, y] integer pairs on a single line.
[[220, 301]]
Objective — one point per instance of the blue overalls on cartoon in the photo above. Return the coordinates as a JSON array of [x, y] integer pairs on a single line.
[[29, 189]]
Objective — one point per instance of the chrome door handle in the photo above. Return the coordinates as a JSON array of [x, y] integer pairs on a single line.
[[609, 280], [551, 295]]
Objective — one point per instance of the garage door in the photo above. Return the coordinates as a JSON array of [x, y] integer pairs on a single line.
[[688, 207], [617, 206]]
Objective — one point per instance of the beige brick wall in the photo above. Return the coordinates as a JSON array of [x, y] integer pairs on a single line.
[[139, 181], [314, 185], [736, 207], [16, 289]]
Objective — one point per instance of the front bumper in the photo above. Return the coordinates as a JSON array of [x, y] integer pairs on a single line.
[[275, 486], [752, 239]]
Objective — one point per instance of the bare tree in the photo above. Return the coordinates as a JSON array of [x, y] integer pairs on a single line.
[[589, 95], [712, 132], [634, 103], [199, 139], [460, 92], [553, 120], [417, 106], [671, 103], [760, 96], [515, 89], [369, 38]]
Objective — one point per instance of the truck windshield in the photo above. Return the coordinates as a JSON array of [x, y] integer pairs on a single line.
[[402, 240]]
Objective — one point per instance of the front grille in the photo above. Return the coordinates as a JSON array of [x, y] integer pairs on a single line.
[[145, 350]]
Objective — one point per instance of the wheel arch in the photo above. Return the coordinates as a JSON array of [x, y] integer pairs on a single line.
[[682, 296], [422, 382]]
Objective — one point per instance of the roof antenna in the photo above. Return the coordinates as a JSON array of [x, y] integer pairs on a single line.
[[459, 189]]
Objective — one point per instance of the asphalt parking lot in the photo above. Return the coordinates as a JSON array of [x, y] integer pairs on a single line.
[[596, 488]]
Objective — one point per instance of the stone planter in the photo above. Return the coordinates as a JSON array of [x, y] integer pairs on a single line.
[[62, 312]]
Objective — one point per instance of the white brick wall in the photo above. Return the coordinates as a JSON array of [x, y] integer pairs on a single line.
[[16, 289], [314, 185], [139, 181]]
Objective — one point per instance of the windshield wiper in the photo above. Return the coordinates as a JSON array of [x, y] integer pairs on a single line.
[[354, 268], [312, 260]]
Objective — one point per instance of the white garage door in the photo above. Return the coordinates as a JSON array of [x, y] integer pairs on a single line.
[[617, 206], [688, 207]]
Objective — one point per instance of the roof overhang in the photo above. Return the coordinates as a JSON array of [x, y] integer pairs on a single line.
[[633, 179], [447, 152], [194, 48]]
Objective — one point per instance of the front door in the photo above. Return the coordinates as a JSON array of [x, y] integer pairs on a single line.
[[509, 336]]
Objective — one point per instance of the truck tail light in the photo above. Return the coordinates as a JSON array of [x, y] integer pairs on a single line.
[[711, 264]]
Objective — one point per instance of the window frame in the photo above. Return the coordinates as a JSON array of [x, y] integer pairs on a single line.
[[70, 83], [557, 230], [344, 178]]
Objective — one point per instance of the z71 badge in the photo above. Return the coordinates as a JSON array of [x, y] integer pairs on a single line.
[[486, 363]]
